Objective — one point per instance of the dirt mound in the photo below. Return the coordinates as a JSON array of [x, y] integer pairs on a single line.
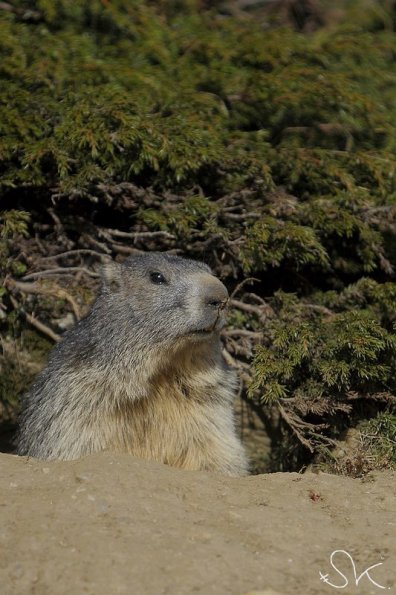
[[111, 524]]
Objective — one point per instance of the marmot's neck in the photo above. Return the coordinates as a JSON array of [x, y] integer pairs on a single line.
[[188, 366]]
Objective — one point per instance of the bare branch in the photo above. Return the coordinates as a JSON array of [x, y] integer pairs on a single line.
[[96, 243], [56, 291], [242, 284], [40, 326], [77, 251], [60, 271], [117, 233], [122, 249], [243, 333], [318, 308], [258, 310], [293, 426]]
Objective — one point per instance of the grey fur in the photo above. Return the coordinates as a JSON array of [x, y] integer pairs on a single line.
[[142, 373]]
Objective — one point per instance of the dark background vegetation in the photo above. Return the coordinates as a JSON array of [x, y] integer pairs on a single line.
[[257, 136]]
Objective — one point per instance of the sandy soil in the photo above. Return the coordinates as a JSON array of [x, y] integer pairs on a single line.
[[112, 524]]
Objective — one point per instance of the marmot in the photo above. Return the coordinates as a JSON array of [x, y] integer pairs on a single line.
[[142, 373]]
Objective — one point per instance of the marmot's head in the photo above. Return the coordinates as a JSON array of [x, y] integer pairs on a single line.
[[166, 297]]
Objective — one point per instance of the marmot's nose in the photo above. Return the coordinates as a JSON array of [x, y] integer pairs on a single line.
[[213, 292]]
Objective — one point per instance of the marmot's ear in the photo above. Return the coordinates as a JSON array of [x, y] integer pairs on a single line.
[[111, 275]]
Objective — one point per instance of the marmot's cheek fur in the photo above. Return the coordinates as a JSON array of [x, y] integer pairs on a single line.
[[142, 373]]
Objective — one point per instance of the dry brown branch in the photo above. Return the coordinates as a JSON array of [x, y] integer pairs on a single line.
[[77, 251], [293, 426], [236, 363], [259, 299], [56, 219], [55, 291], [238, 349], [243, 333], [318, 308], [137, 234], [96, 243], [384, 396], [242, 284], [230, 360], [60, 271], [40, 326], [235, 242], [122, 249], [258, 310]]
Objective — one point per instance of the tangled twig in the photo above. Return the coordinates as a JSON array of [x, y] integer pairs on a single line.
[[40, 326], [55, 291], [60, 271]]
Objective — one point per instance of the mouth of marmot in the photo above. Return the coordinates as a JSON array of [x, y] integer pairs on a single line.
[[217, 326]]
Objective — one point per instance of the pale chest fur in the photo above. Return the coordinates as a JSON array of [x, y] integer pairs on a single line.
[[187, 427]]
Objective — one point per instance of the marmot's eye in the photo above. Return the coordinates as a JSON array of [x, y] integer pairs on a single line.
[[157, 278]]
